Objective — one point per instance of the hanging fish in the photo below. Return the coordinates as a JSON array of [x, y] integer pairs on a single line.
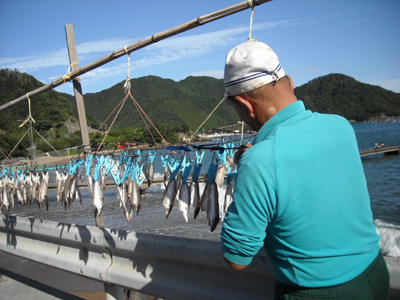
[[123, 197], [205, 198], [220, 177], [65, 190], [213, 207], [184, 191], [229, 189], [78, 195], [97, 191], [43, 188], [167, 175], [228, 196], [184, 200], [196, 198], [150, 173], [135, 200], [72, 189], [167, 171], [195, 183], [6, 202], [169, 197], [12, 191], [178, 181], [64, 178], [20, 186], [34, 186], [59, 180]]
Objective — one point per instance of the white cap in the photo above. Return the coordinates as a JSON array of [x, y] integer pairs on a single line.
[[249, 66]]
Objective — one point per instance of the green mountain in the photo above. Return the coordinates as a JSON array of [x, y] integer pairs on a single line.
[[191, 100], [164, 101], [49, 110], [343, 95]]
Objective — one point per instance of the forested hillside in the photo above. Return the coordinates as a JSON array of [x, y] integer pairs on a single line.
[[189, 101], [49, 110], [345, 96], [165, 102]]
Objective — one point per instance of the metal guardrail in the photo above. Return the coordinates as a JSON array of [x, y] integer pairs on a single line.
[[167, 267]]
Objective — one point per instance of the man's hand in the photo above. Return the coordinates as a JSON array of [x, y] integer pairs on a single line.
[[238, 154]]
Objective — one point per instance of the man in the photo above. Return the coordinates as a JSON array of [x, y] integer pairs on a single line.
[[300, 190]]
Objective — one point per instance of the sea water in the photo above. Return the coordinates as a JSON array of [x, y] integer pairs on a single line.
[[383, 179], [382, 173]]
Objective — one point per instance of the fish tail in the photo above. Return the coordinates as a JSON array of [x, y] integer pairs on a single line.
[[196, 212]]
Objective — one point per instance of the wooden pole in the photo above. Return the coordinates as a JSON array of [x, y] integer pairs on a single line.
[[80, 106], [140, 44]]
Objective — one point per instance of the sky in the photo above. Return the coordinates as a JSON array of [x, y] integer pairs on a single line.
[[312, 38]]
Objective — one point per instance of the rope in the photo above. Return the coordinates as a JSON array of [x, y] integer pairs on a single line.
[[5, 154], [149, 120], [148, 129], [126, 97], [16, 145], [251, 21], [67, 77], [30, 115], [206, 119], [46, 142], [127, 85], [105, 121]]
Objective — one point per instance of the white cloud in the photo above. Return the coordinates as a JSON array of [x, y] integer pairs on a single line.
[[170, 50], [103, 45]]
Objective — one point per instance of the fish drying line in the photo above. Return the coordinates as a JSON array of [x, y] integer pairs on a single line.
[[140, 111], [127, 87]]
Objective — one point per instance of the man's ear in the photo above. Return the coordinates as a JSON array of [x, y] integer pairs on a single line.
[[291, 82], [247, 103]]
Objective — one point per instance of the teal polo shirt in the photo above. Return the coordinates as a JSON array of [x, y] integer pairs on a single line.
[[300, 191]]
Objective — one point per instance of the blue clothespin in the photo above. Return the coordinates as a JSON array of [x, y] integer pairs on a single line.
[[96, 172], [88, 164], [134, 169], [199, 157], [164, 161], [116, 177], [186, 171], [222, 155], [212, 172], [174, 171], [151, 157], [107, 164], [137, 180], [196, 172]]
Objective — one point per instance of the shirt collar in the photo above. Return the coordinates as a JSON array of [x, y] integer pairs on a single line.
[[281, 116]]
